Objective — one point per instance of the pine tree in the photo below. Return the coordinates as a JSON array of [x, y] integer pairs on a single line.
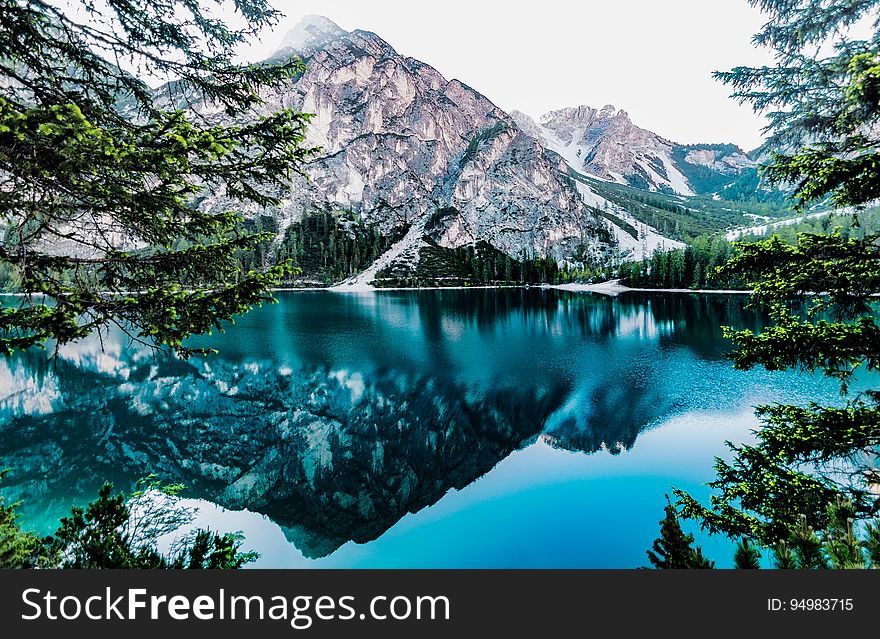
[[783, 558], [840, 544], [18, 549], [871, 544], [807, 546], [698, 277], [101, 176], [674, 549], [117, 531], [821, 99], [746, 556]]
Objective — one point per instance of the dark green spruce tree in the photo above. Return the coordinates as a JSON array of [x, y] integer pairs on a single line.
[[746, 557], [674, 549], [100, 175], [822, 99], [121, 531], [18, 549]]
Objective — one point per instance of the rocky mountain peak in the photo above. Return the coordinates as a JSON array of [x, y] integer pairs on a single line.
[[609, 111], [311, 34], [606, 144], [421, 156]]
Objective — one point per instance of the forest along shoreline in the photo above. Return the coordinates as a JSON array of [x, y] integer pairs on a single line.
[[611, 287], [606, 288]]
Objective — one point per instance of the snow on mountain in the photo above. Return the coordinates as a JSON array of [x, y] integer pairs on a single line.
[[718, 161], [407, 248], [604, 143], [576, 136], [638, 246]]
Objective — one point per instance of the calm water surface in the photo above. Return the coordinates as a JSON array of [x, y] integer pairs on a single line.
[[508, 428]]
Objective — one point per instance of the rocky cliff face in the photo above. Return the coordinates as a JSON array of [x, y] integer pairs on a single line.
[[606, 144], [399, 141]]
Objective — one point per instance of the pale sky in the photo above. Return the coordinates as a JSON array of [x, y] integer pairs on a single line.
[[653, 58]]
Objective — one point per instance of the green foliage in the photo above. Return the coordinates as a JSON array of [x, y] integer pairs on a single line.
[[839, 546], [807, 547], [478, 264], [687, 218], [812, 467], [821, 98], [674, 549], [705, 254], [843, 549], [116, 531], [18, 549], [258, 255], [212, 551], [783, 557], [588, 272], [871, 543], [94, 537], [746, 556], [623, 225], [100, 175], [329, 247], [851, 224], [694, 267]]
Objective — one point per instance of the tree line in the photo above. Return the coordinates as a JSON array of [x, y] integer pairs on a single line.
[[477, 264], [692, 267], [120, 531], [331, 246], [696, 266]]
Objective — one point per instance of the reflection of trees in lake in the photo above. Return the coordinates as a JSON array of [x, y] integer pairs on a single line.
[[337, 451]]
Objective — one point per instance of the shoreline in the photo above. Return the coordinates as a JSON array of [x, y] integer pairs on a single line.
[[611, 288]]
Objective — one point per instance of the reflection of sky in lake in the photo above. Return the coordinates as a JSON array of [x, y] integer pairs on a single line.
[[438, 429]]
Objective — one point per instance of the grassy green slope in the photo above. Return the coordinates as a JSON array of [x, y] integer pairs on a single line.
[[685, 218]]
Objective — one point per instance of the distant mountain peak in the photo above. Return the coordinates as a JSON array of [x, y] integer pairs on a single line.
[[605, 143], [311, 34]]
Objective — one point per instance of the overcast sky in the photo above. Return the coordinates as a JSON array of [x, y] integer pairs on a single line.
[[653, 58]]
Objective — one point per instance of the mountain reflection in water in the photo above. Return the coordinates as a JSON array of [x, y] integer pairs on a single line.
[[337, 414]]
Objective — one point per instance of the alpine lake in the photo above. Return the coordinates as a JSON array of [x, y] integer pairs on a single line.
[[492, 428]]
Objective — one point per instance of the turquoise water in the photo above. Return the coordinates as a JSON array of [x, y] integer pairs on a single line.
[[490, 428]]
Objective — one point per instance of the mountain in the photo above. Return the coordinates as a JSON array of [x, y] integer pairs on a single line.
[[421, 156], [453, 183], [606, 144]]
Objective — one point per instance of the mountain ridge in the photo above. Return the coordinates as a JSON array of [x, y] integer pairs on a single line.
[[436, 164], [400, 142], [606, 144]]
